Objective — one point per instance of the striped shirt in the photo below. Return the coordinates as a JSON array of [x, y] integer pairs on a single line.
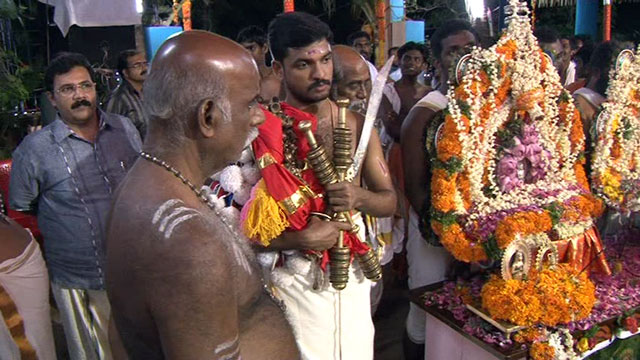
[[126, 101]]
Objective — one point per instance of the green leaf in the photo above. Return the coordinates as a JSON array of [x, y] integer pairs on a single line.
[[447, 219], [555, 212], [492, 249], [452, 166], [8, 10], [465, 108], [592, 332], [564, 97]]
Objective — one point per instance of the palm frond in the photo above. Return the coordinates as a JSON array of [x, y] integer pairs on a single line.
[[365, 8], [329, 6]]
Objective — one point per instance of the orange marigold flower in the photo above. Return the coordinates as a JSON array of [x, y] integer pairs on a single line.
[[449, 145], [550, 297], [503, 92], [577, 132], [544, 62], [461, 93], [523, 223], [457, 243], [616, 150], [464, 186], [542, 351], [484, 83], [581, 176], [485, 114], [443, 189], [508, 49]]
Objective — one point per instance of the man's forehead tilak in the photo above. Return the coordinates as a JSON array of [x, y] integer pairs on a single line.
[[319, 49]]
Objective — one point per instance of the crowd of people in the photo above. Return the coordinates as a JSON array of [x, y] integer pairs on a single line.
[[207, 240]]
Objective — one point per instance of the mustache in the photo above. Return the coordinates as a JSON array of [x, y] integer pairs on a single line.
[[358, 104], [79, 103], [144, 72], [318, 83]]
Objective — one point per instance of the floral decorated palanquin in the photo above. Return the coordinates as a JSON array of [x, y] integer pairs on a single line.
[[616, 161], [509, 185]]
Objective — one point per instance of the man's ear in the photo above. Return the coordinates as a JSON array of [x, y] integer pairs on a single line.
[[278, 69], [209, 118], [51, 99]]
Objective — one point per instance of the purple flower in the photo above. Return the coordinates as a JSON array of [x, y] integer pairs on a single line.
[[529, 134], [518, 149]]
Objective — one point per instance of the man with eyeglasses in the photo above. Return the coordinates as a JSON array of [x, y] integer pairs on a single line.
[[126, 99], [66, 173]]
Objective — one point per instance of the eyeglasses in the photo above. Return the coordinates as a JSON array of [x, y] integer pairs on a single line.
[[138, 65], [70, 89]]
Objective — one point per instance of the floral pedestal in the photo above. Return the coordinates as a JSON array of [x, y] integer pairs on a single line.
[[614, 316]]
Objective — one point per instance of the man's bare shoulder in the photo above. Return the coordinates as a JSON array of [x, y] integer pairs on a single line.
[[155, 214], [357, 119], [168, 234], [419, 114]]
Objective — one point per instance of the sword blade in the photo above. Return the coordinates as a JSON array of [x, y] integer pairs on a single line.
[[370, 117]]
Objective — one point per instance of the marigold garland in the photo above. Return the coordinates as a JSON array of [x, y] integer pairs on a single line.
[[550, 297], [524, 223], [541, 351], [510, 146]]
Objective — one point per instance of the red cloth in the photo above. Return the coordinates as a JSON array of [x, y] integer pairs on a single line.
[[281, 183], [584, 251], [25, 220]]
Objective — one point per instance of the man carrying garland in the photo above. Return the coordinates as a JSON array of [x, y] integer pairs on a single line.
[[328, 324], [427, 263], [182, 283]]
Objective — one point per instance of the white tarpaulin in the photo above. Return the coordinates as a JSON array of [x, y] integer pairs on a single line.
[[93, 13]]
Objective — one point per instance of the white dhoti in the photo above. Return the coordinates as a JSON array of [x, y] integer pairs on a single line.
[[427, 265], [330, 324], [26, 280]]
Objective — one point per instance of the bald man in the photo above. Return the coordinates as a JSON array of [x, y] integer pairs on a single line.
[[181, 281], [352, 81], [351, 78]]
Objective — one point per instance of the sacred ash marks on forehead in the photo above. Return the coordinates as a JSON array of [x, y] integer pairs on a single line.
[[318, 48]]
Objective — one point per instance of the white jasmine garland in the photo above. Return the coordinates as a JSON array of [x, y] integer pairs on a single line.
[[478, 141], [620, 104]]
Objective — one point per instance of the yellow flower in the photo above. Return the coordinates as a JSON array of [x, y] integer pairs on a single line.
[[611, 186], [583, 344]]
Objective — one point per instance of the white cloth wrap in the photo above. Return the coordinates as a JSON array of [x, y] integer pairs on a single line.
[[330, 324], [427, 264], [26, 280]]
